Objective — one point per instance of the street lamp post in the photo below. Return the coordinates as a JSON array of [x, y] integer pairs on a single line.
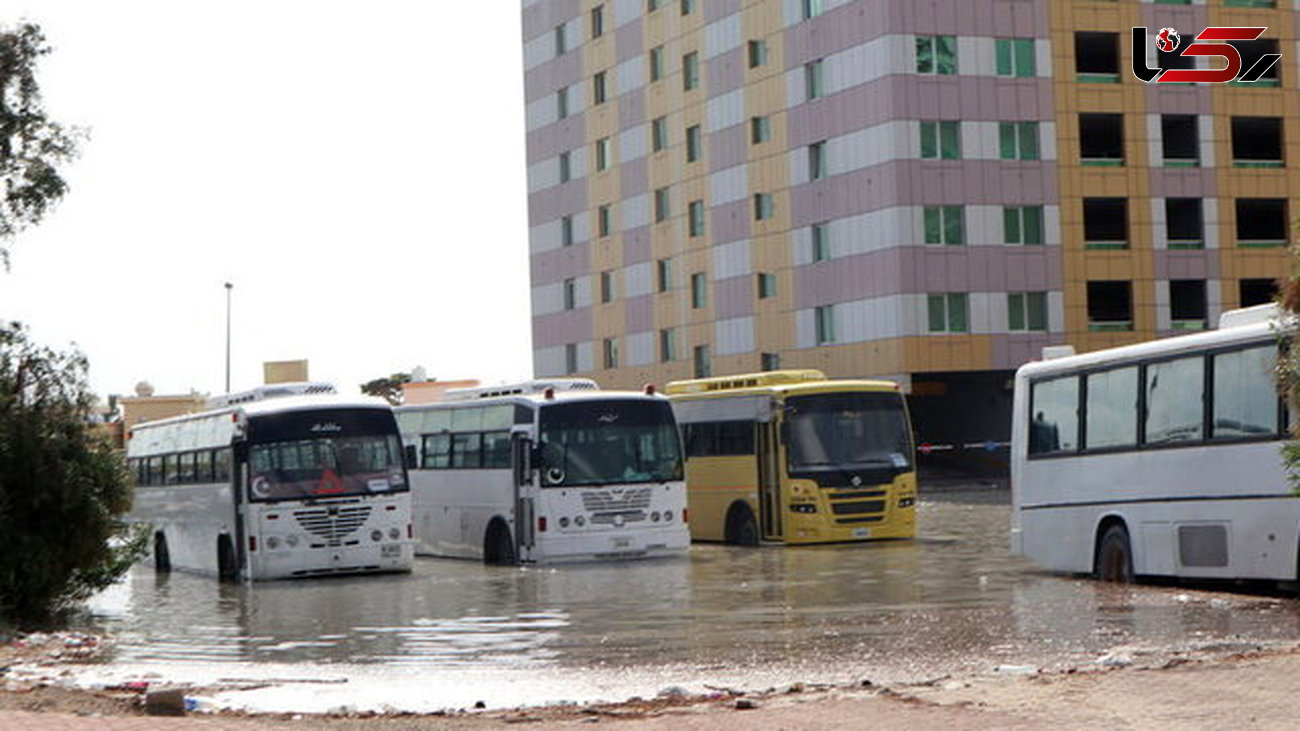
[[229, 287]]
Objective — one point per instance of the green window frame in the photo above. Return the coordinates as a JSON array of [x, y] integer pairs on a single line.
[[691, 71], [947, 313], [760, 130], [940, 140], [694, 146], [936, 55], [656, 63], [1022, 225], [766, 285], [695, 217], [821, 241], [824, 324], [944, 225], [699, 291], [1027, 311], [1018, 140], [1015, 57]]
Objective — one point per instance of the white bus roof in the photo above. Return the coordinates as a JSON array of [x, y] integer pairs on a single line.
[[535, 386], [271, 391]]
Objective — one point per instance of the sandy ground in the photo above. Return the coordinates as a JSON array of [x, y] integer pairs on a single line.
[[1220, 685]]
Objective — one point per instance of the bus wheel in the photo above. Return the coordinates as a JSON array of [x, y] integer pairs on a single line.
[[227, 569], [498, 549], [162, 560], [742, 529], [1114, 560]]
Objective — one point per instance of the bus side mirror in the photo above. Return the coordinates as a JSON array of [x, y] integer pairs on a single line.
[[522, 463], [412, 460]]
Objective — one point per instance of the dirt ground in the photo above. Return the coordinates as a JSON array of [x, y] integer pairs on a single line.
[[1242, 685]]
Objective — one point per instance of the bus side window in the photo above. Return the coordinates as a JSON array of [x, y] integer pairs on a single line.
[[155, 471], [411, 456], [221, 464], [437, 452], [1054, 421], [203, 466]]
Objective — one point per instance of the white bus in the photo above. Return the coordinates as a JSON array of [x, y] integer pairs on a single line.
[[545, 471], [302, 485], [1157, 459]]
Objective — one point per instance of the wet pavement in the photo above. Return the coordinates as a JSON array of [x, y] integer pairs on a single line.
[[454, 633]]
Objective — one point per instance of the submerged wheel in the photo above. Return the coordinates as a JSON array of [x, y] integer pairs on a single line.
[[742, 529], [498, 548], [227, 568], [1114, 561], [162, 559]]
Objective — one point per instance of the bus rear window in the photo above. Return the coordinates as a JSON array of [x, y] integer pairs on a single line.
[[1054, 421]]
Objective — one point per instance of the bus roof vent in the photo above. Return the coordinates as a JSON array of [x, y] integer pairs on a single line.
[[1249, 315], [1052, 352], [270, 391], [524, 387], [745, 380]]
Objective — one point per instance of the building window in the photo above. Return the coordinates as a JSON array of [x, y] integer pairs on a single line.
[[566, 231], [1027, 311], [760, 129], [1187, 304], [658, 134], [1257, 142], [1261, 222], [946, 313], [812, 78], [769, 361], [1252, 51], [940, 140], [1096, 57], [607, 286], [944, 225], [936, 55], [757, 53], [661, 205], [1101, 139], [824, 323], [821, 241], [817, 161], [766, 285], [764, 207], [570, 358], [603, 220], [1018, 140], [1184, 223], [603, 154], [1180, 140], [694, 144], [688, 7], [1110, 306], [570, 294], [1015, 57], [1251, 292], [598, 88], [690, 71], [702, 369], [566, 167], [695, 218], [664, 274], [699, 291], [1105, 223], [610, 349], [562, 103], [656, 63], [1022, 224], [667, 345], [561, 42], [811, 8], [598, 21]]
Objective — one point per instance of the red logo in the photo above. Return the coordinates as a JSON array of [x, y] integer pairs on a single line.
[[1167, 41]]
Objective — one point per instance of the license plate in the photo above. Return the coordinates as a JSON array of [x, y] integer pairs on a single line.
[[622, 542], [391, 551], [861, 532]]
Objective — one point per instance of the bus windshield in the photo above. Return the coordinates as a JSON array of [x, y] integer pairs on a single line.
[[324, 453], [848, 430], [610, 442]]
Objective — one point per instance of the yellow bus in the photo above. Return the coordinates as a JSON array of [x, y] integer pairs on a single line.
[[792, 456]]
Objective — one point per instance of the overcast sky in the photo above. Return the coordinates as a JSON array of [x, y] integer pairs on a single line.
[[355, 169]]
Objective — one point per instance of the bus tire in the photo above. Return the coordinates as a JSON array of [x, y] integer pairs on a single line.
[[498, 547], [227, 568], [742, 529], [1114, 561], [162, 559]]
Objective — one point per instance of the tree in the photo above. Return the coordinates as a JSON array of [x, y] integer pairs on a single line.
[[389, 389], [32, 146], [63, 488], [1288, 362]]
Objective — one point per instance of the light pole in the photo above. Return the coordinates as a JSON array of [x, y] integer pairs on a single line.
[[229, 287]]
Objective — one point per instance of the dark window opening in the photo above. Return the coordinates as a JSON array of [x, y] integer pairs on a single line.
[[1184, 221], [1256, 291], [1261, 221], [1257, 139], [1101, 136], [1178, 134], [1110, 305], [1187, 307], [1105, 221], [1096, 54], [1175, 60], [1252, 51]]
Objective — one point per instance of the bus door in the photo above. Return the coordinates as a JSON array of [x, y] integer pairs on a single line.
[[769, 479], [526, 487]]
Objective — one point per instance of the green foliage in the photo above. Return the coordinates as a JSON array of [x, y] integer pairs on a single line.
[[1288, 365], [389, 389], [31, 145], [63, 488]]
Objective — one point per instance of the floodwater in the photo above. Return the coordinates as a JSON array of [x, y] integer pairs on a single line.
[[453, 633]]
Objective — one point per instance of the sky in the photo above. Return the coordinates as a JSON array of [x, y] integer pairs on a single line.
[[355, 170]]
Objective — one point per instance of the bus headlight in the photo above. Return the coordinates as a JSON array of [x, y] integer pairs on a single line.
[[564, 522], [668, 516], [272, 543], [291, 541], [376, 535], [654, 517], [579, 521], [906, 502], [394, 533], [803, 508]]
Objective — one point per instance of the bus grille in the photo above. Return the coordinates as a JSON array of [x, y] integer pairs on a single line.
[[629, 516], [333, 524], [868, 506], [627, 502]]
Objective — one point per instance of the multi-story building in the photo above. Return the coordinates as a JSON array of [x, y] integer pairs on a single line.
[[925, 190]]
